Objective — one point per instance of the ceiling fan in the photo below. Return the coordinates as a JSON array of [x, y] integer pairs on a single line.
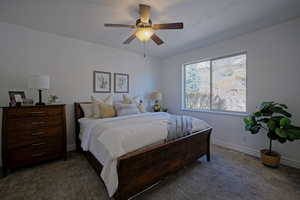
[[143, 29]]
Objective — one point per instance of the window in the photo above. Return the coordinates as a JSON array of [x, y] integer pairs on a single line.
[[216, 84]]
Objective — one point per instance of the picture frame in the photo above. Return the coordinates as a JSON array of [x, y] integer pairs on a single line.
[[121, 83], [16, 97], [101, 82]]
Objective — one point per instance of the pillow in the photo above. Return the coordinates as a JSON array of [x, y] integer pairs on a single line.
[[87, 109], [107, 110], [95, 104], [126, 109], [107, 100], [140, 105], [127, 100]]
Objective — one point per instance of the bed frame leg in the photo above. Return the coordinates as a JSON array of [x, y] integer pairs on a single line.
[[208, 157], [208, 148]]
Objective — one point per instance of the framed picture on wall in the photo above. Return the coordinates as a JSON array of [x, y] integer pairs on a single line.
[[102, 82], [121, 84]]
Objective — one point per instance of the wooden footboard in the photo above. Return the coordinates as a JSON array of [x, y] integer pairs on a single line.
[[141, 169]]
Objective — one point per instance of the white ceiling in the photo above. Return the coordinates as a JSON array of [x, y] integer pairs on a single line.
[[205, 21]]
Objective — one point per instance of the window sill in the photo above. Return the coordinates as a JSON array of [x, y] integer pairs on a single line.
[[241, 114]]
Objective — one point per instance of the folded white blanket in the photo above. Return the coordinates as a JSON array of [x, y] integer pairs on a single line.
[[120, 135]]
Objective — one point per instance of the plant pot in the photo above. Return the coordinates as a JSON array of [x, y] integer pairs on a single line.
[[270, 159]]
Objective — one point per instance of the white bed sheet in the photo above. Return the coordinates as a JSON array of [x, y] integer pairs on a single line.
[[92, 129]]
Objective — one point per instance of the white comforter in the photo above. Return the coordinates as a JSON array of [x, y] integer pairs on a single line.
[[109, 138]]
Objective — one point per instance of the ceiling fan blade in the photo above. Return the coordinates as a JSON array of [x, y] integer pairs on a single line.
[[178, 25], [156, 39], [144, 13], [119, 25], [129, 39]]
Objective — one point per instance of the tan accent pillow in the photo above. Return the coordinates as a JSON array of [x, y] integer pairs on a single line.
[[96, 103], [107, 110]]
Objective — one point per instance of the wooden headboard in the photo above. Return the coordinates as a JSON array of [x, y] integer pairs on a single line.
[[78, 112]]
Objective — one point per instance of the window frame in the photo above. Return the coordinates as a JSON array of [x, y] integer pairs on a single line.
[[215, 111]]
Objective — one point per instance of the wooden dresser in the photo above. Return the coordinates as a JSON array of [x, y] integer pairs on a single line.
[[32, 134]]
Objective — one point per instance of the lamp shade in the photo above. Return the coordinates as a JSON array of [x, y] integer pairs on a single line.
[[39, 82], [156, 96]]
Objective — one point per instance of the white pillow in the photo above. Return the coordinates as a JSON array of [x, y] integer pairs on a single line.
[[96, 104], [126, 109], [87, 109]]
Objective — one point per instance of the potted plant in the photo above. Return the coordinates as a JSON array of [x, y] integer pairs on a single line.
[[275, 120]]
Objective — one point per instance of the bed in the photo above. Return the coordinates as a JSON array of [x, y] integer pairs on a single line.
[[140, 169]]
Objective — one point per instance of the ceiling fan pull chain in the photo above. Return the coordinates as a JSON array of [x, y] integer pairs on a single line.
[[144, 49]]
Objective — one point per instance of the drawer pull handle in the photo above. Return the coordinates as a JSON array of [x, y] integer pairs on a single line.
[[38, 144], [38, 154], [38, 133], [37, 123]]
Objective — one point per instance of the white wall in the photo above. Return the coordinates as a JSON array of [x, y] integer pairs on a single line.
[[70, 64], [273, 73]]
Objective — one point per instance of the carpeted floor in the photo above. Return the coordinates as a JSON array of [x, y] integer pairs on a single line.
[[230, 175]]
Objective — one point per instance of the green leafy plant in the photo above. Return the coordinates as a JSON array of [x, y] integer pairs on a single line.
[[276, 120]]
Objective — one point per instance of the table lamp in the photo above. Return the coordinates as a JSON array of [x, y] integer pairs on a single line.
[[39, 83], [156, 97]]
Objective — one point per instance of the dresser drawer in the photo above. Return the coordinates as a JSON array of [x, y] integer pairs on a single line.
[[21, 138], [27, 123], [33, 123], [35, 152], [26, 113]]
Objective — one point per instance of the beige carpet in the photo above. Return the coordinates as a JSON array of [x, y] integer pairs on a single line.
[[230, 175]]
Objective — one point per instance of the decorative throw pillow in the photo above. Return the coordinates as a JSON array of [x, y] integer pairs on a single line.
[[134, 100], [126, 109], [107, 110], [127, 100], [96, 103], [87, 109]]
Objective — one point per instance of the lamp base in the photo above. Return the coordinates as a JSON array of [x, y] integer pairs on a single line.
[[156, 107], [40, 103]]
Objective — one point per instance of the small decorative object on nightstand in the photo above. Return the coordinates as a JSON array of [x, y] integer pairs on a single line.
[[40, 83], [156, 97], [32, 134]]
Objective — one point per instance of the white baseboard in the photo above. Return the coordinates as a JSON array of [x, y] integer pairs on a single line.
[[71, 147], [255, 152]]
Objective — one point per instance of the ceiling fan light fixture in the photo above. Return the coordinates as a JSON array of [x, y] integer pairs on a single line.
[[144, 33]]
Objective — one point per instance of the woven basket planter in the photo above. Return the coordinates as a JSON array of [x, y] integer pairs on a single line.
[[272, 160]]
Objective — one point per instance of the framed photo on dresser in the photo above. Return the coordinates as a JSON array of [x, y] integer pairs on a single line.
[[121, 84], [16, 97], [102, 82]]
